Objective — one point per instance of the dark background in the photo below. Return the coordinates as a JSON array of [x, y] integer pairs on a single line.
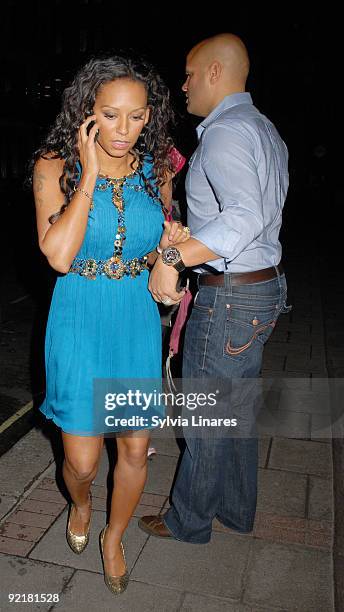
[[292, 81]]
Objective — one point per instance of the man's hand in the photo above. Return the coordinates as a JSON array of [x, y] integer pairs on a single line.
[[163, 282]]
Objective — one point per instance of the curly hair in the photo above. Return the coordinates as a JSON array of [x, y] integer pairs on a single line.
[[77, 103]]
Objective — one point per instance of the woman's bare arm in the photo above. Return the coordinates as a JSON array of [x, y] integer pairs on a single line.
[[166, 192], [166, 198], [61, 241]]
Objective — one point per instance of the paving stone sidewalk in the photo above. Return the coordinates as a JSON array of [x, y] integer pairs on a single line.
[[284, 565]]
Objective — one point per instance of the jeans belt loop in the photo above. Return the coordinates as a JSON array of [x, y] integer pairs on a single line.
[[227, 283], [279, 277]]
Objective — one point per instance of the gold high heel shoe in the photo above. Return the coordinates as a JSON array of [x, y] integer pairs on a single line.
[[116, 584], [78, 543]]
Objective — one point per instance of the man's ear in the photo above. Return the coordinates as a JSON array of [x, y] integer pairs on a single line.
[[215, 71]]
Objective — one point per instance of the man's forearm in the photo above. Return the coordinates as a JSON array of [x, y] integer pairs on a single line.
[[194, 252]]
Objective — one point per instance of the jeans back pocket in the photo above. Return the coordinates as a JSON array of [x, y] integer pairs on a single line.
[[246, 324]]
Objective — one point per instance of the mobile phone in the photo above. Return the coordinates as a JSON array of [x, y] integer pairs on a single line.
[[89, 127]]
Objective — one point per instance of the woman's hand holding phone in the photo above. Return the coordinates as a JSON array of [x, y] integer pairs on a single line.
[[87, 146]]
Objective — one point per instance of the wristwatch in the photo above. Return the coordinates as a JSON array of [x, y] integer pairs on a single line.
[[172, 257]]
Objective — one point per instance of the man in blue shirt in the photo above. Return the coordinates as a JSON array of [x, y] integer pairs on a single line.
[[236, 188]]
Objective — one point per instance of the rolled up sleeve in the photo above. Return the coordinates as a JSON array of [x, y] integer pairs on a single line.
[[229, 165]]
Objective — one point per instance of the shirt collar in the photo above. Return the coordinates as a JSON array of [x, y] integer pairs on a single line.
[[227, 102]]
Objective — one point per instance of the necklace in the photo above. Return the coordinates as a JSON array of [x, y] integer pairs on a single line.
[[103, 175]]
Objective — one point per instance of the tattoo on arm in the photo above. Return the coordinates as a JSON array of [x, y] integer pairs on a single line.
[[38, 181]]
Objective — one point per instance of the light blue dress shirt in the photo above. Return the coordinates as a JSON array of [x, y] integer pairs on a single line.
[[236, 186]]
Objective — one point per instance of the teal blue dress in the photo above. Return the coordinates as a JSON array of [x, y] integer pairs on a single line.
[[104, 328]]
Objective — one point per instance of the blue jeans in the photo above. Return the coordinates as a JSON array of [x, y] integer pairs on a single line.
[[224, 338]]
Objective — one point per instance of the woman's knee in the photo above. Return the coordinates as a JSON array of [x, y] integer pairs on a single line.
[[83, 471], [134, 454], [82, 456]]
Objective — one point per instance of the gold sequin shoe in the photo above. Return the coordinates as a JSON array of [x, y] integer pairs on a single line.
[[78, 543], [116, 584]]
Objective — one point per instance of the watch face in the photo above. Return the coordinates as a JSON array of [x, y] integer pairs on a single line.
[[171, 255]]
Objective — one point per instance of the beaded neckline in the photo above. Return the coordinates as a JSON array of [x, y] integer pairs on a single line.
[[120, 178], [116, 267], [117, 178]]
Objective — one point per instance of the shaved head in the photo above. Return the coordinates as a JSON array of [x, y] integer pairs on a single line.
[[223, 62], [227, 49]]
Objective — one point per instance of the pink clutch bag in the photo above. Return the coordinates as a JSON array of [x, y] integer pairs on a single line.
[[178, 160]]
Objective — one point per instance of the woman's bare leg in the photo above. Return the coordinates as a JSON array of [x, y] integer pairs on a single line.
[[129, 480], [80, 466]]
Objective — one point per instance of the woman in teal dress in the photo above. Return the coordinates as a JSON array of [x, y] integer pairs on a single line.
[[102, 180]]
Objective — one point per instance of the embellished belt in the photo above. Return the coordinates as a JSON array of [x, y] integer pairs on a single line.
[[114, 268]]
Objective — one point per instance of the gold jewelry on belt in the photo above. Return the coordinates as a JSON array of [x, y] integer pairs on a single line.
[[114, 268]]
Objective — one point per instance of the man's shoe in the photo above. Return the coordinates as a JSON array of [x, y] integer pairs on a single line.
[[155, 526]]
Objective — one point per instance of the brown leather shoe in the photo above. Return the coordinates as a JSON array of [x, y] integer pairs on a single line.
[[155, 526]]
